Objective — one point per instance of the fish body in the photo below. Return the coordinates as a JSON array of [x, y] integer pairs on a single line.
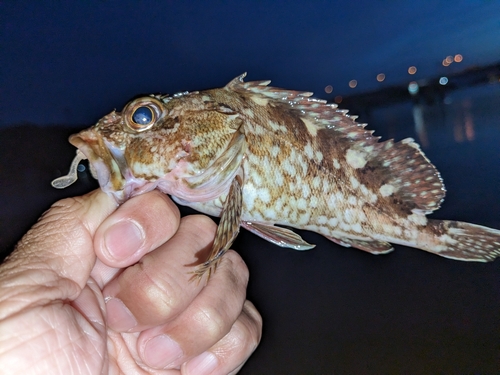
[[262, 158]]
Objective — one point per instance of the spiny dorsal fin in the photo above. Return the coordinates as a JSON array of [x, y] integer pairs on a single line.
[[318, 112], [403, 173]]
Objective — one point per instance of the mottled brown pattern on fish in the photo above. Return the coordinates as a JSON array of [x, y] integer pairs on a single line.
[[299, 162], [297, 170]]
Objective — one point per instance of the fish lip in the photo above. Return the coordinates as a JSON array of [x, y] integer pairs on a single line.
[[100, 173], [111, 181]]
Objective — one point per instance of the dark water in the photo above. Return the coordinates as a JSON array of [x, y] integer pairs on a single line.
[[332, 309]]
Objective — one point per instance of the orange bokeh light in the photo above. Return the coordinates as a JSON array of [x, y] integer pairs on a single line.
[[412, 70], [353, 83]]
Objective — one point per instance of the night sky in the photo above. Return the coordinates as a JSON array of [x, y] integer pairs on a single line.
[[69, 63]]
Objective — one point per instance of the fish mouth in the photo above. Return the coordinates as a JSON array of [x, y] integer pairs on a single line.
[[107, 163]]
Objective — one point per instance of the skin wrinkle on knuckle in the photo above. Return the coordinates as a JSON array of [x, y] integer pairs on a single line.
[[73, 210], [237, 344], [158, 296], [56, 229], [210, 322], [238, 338], [244, 337], [29, 288], [215, 320], [64, 217]]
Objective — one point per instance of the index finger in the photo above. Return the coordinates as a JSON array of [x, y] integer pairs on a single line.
[[136, 228]]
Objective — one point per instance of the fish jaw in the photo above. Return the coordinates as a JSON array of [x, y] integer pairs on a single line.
[[109, 167]]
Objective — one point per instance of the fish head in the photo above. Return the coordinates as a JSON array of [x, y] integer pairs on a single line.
[[182, 146], [109, 147]]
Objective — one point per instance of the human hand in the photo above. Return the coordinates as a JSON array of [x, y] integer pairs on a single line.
[[87, 292]]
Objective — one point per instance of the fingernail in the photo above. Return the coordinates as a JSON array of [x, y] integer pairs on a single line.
[[123, 239], [204, 364], [161, 351], [119, 316]]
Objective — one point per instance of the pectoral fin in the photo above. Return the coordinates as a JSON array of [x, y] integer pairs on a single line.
[[223, 168], [227, 230], [279, 236]]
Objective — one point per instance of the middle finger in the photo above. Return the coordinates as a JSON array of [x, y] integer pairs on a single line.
[[158, 288], [204, 322]]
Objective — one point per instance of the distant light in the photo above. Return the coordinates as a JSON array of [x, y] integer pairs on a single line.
[[380, 77], [443, 81], [338, 99], [449, 59], [412, 70], [458, 58], [80, 168], [353, 83], [329, 89], [413, 88], [445, 63]]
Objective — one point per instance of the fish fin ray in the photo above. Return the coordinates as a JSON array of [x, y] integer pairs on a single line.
[[410, 180], [222, 168], [462, 241], [227, 230], [277, 235], [318, 112]]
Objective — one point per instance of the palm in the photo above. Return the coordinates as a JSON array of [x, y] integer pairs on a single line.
[[87, 344], [97, 348]]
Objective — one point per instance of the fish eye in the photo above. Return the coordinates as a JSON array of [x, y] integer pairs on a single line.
[[143, 116]]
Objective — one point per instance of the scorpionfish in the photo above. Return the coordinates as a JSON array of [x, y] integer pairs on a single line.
[[260, 156]]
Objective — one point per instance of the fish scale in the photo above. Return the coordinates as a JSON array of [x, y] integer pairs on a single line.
[[262, 157]]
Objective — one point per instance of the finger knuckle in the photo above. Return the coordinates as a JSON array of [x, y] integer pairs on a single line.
[[201, 224], [243, 337], [210, 321], [237, 268], [158, 295]]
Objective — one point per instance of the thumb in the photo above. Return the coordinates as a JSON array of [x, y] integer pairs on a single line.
[[56, 255]]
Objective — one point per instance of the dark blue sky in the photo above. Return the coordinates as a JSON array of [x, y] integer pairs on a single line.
[[70, 63]]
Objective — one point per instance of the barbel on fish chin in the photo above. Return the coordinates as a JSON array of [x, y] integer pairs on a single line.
[[257, 156]]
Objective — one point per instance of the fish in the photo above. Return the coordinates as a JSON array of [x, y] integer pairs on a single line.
[[269, 159]]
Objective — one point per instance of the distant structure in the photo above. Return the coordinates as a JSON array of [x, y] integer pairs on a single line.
[[425, 91]]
